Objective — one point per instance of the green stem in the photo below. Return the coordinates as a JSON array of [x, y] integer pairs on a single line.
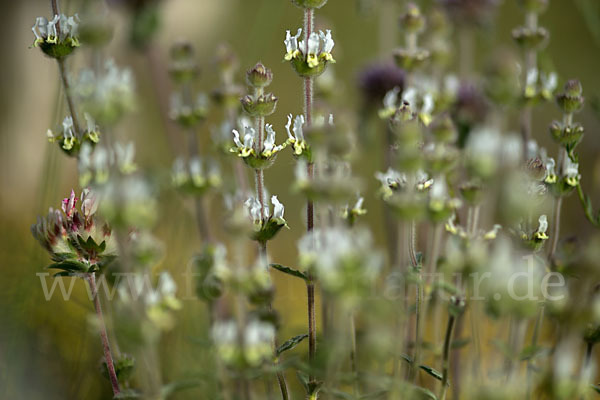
[[67, 88], [353, 356], [556, 230], [446, 356]]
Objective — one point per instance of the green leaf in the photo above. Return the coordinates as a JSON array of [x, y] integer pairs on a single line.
[[530, 352], [303, 378], [65, 274], [289, 271], [432, 371], [596, 388], [173, 387], [69, 265], [291, 343], [460, 343], [406, 358]]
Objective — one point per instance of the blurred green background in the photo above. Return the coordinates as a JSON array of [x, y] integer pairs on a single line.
[[47, 349]]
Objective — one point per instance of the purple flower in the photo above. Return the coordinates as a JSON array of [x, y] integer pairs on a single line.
[[377, 79]]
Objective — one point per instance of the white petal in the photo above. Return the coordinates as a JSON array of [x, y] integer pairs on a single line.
[[278, 208]]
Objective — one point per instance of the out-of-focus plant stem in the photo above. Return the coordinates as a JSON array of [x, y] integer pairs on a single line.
[[353, 361], [91, 279], [446, 356], [161, 89], [199, 204], [68, 95]]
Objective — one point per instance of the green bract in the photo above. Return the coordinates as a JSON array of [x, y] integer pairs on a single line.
[[310, 3]]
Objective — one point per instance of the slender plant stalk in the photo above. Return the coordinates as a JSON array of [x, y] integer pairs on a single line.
[[91, 279], [530, 64], [310, 285], [67, 88], [588, 353], [557, 210], [262, 247], [353, 361], [199, 204], [446, 356], [161, 87]]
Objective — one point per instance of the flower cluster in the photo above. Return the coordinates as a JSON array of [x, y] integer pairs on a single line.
[[310, 56], [76, 239], [247, 147], [191, 178], [244, 346], [58, 37], [266, 224], [95, 164], [71, 141], [159, 301], [108, 95], [343, 259]]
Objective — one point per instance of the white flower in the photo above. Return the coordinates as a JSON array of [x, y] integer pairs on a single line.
[[532, 77], [254, 209], [391, 98], [423, 180], [571, 171], [269, 143], [391, 178], [549, 83], [246, 147], [312, 52], [68, 133], [278, 208], [291, 44], [46, 31], [542, 224], [318, 46]]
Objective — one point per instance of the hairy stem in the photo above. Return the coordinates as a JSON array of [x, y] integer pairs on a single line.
[[91, 278], [310, 286]]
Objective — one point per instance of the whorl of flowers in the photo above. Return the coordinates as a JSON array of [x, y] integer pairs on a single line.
[[107, 95], [57, 37], [266, 223], [191, 177], [309, 57], [246, 147], [77, 240]]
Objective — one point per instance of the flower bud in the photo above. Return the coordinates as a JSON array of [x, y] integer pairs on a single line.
[[310, 3], [262, 106], [183, 67], [412, 21], [410, 60], [456, 306], [530, 39], [571, 100], [259, 76], [566, 135]]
